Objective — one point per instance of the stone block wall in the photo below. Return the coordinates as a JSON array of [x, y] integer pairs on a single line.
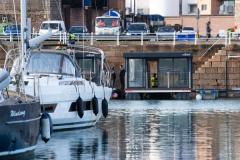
[[218, 72]]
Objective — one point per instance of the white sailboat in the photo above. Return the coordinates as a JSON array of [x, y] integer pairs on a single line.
[[21, 119]]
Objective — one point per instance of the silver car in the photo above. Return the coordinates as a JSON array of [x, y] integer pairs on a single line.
[[137, 28], [165, 33]]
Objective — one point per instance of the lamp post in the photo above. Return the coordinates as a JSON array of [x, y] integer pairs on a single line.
[[197, 18]]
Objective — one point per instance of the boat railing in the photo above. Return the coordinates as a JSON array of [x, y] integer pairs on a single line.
[[11, 56]]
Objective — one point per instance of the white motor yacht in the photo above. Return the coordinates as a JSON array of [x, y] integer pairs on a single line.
[[71, 99]]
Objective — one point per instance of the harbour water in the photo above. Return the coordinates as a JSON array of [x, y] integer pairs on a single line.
[[155, 130]]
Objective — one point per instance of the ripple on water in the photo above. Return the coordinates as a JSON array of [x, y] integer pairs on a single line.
[[153, 130]]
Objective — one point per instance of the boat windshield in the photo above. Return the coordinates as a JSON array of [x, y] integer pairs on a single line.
[[49, 25], [51, 64], [107, 22]]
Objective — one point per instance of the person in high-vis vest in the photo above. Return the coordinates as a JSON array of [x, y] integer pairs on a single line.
[[154, 80], [72, 38]]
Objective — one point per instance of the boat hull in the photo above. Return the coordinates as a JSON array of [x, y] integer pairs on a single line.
[[19, 128], [58, 99]]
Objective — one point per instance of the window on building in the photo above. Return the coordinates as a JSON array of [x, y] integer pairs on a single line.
[[204, 7], [99, 3], [192, 8], [227, 7]]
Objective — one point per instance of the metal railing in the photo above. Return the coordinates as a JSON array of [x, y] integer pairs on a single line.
[[173, 39]]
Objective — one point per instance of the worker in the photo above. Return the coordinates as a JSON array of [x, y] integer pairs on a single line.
[[154, 80], [72, 39]]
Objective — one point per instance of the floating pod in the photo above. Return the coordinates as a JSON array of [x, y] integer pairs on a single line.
[[95, 105], [104, 107], [46, 127]]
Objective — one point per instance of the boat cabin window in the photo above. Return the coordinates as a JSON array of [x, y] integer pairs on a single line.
[[90, 67], [44, 63], [67, 67], [86, 65], [50, 63]]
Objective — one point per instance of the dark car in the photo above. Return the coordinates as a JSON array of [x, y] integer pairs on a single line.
[[137, 29], [165, 33], [78, 31], [12, 30]]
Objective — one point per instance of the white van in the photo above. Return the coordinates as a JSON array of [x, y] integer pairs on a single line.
[[57, 27]]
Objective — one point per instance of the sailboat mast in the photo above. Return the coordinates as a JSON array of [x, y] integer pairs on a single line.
[[23, 32]]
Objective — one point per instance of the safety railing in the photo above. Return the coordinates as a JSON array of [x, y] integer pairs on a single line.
[[171, 39]]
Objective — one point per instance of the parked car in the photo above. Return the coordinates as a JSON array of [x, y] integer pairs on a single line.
[[165, 33], [186, 34], [78, 31], [188, 30], [138, 29], [12, 29], [56, 27]]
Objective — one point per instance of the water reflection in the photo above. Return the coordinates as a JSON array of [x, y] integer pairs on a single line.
[[154, 130]]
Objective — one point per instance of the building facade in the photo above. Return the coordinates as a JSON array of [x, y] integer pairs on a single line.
[[189, 7], [73, 12], [153, 7], [237, 15], [216, 7]]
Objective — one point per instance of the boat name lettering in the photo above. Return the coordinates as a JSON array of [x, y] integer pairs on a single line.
[[17, 113], [71, 83]]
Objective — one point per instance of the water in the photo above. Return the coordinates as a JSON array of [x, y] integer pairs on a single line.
[[155, 130]]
